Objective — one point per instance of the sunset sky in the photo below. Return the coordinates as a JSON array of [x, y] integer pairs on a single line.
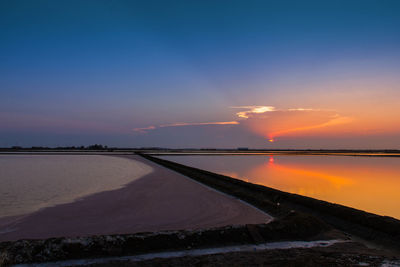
[[226, 74]]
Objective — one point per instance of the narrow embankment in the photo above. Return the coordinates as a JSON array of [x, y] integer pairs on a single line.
[[381, 230]]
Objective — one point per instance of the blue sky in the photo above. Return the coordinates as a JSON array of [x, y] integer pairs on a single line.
[[79, 72]]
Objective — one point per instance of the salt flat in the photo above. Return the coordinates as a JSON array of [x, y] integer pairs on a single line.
[[160, 200], [31, 182]]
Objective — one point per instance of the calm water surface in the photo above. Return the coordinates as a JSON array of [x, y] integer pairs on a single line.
[[368, 183], [31, 182]]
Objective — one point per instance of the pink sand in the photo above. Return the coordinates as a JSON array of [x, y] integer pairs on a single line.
[[161, 200]]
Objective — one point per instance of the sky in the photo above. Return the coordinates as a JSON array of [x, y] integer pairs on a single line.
[[200, 74]]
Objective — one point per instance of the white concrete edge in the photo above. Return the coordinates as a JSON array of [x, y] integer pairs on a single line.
[[193, 252]]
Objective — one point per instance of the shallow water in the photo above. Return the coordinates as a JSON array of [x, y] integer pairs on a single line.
[[367, 183], [31, 182]]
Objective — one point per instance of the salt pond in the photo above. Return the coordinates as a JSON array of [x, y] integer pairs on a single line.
[[368, 183], [31, 182]]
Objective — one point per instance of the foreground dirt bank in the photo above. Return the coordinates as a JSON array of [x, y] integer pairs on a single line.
[[293, 226], [109, 249]]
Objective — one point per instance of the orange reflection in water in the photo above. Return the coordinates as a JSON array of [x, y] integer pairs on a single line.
[[369, 188], [367, 183]]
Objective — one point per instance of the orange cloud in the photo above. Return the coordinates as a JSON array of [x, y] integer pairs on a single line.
[[271, 123]]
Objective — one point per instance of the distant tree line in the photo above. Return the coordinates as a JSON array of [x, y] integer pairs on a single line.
[[90, 147]]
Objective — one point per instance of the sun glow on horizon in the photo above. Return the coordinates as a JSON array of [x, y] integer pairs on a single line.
[[269, 123]]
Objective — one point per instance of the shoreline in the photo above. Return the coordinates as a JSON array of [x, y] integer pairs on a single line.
[[208, 152], [349, 153]]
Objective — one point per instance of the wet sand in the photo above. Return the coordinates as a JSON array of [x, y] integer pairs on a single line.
[[161, 200]]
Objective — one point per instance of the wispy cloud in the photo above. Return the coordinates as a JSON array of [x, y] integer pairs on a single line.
[[252, 110], [270, 122], [179, 124], [199, 123], [144, 129]]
